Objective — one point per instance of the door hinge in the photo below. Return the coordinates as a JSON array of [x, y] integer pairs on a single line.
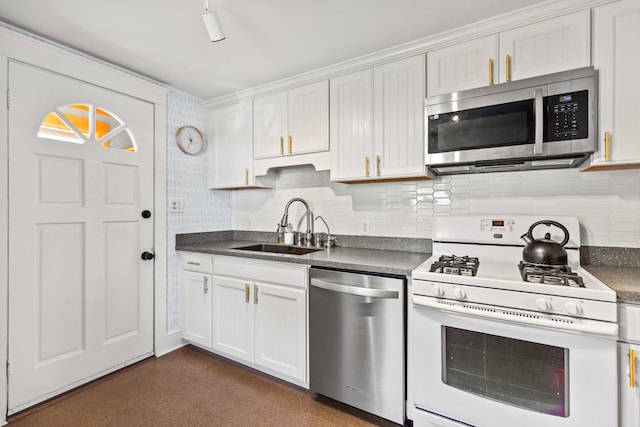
[[8, 368], [8, 99]]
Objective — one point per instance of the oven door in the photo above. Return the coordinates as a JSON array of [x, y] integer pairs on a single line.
[[474, 364]]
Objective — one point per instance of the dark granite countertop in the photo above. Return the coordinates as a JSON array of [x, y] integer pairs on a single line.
[[349, 258], [618, 268], [625, 281]]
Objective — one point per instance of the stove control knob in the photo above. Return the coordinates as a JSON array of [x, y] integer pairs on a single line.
[[459, 293], [543, 304], [573, 308], [437, 291]]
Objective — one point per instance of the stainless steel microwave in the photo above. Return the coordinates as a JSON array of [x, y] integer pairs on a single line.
[[539, 123]]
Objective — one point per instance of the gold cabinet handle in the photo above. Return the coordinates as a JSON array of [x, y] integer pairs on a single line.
[[632, 368], [490, 71], [255, 294], [206, 284], [246, 177], [366, 165], [247, 292], [508, 67], [193, 263], [377, 165], [607, 146], [281, 145], [290, 144]]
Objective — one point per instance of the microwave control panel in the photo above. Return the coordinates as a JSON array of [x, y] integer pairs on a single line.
[[566, 116]]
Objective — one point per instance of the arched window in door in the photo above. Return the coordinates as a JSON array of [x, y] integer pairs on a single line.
[[82, 123]]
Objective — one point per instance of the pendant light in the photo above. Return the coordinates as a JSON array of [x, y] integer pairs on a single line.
[[212, 25]]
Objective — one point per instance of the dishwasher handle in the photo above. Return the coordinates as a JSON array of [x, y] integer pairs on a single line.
[[354, 290]]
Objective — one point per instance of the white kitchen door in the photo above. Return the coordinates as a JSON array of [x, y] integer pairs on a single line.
[[80, 177]]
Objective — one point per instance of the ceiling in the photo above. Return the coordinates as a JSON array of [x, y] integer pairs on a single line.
[[267, 40]]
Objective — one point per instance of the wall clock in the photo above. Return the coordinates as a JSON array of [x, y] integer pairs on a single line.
[[190, 140]]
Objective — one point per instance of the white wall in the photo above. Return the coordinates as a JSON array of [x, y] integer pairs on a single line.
[[204, 209], [606, 202]]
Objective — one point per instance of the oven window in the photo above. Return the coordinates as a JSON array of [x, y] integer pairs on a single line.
[[519, 373], [495, 126]]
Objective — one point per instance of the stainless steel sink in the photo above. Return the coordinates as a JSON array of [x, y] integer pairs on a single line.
[[279, 249]]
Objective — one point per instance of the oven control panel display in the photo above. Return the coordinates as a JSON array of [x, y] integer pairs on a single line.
[[497, 226]]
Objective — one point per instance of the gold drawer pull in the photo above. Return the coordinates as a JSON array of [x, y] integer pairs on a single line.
[[247, 292], [290, 144], [607, 146], [255, 294], [490, 71], [246, 177], [378, 165], [508, 67], [281, 145], [632, 368], [206, 284], [193, 263], [366, 165]]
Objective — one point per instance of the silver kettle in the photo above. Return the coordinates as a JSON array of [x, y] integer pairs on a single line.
[[545, 252]]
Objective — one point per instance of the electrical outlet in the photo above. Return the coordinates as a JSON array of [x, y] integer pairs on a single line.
[[364, 226], [176, 206]]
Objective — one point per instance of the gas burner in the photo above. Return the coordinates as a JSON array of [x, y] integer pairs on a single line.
[[459, 265], [550, 275]]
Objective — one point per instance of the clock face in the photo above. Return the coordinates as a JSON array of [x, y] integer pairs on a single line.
[[190, 140]]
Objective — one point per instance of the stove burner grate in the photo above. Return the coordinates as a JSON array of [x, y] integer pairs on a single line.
[[562, 276], [458, 265]]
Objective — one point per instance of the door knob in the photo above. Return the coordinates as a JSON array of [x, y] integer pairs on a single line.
[[147, 256], [146, 214]]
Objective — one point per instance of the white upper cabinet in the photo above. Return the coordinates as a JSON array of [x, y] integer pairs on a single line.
[[230, 149], [546, 47], [462, 66], [351, 124], [398, 119], [616, 56], [230, 155], [550, 46], [377, 122], [292, 122], [270, 125]]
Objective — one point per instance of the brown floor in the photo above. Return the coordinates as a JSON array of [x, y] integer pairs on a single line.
[[190, 387]]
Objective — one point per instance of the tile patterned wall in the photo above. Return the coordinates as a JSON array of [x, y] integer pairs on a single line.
[[204, 210], [607, 202]]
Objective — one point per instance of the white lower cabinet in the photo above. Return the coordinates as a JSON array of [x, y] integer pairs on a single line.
[[233, 318], [628, 361], [629, 354], [196, 298], [257, 314], [280, 329]]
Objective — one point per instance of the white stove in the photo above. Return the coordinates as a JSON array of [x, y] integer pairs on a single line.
[[489, 348], [497, 244]]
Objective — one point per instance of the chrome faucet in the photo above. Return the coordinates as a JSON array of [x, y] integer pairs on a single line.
[[285, 218]]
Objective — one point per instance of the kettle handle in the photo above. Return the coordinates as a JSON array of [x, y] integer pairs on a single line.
[[549, 223]]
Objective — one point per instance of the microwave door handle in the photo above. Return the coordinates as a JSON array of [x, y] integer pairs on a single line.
[[539, 128]]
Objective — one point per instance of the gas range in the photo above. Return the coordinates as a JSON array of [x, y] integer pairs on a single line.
[[478, 259]]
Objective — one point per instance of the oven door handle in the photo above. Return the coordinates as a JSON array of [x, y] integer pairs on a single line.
[[354, 290], [585, 326]]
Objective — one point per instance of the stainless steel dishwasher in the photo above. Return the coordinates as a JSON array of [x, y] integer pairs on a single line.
[[357, 340]]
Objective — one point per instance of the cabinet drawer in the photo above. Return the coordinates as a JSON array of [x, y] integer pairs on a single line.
[[201, 263], [264, 271], [629, 321]]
